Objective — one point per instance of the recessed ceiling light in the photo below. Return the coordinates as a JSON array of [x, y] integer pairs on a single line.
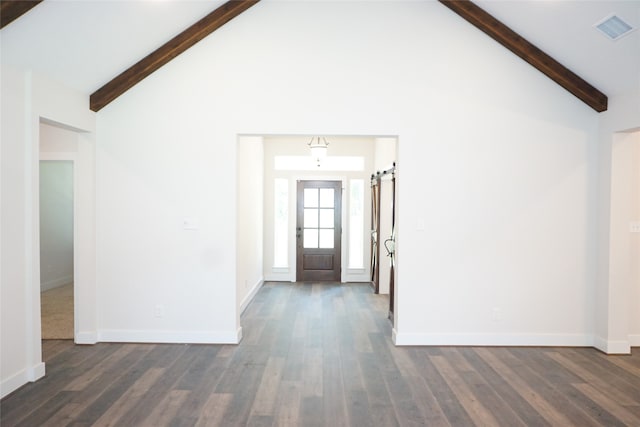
[[614, 27]]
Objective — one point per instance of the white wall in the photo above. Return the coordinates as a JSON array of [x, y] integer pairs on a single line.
[[57, 139], [15, 369], [56, 223], [634, 309], [625, 209], [354, 146], [28, 98], [612, 311], [499, 165], [624, 190], [250, 212]]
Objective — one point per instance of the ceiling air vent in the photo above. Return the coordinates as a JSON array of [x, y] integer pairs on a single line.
[[614, 27]]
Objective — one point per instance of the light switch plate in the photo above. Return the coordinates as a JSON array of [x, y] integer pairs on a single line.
[[634, 227], [189, 224]]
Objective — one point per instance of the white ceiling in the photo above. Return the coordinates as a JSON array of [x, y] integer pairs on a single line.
[[565, 31], [84, 44]]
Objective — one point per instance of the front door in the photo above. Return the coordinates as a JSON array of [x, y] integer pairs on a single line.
[[319, 231]]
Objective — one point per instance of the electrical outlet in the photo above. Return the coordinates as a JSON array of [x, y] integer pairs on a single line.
[[634, 227], [496, 314], [159, 310]]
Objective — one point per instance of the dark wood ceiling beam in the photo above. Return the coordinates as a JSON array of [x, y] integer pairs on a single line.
[[167, 52], [10, 10], [530, 53]]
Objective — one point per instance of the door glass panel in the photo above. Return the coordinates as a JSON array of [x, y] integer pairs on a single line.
[[326, 218], [311, 238], [326, 197], [311, 218], [326, 238], [311, 197]]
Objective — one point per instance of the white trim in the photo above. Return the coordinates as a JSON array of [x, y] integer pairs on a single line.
[[634, 340], [612, 347], [358, 278], [170, 337], [13, 383], [19, 379], [36, 372], [537, 340], [600, 344], [90, 337], [247, 300], [33, 331], [282, 277]]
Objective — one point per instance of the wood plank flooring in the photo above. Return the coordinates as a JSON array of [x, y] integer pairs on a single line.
[[321, 355]]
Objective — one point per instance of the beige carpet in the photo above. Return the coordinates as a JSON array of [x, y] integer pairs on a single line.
[[57, 313]]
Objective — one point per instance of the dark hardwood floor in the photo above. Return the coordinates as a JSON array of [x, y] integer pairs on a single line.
[[321, 355]]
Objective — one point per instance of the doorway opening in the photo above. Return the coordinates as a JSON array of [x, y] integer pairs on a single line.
[[270, 166], [56, 249], [58, 237]]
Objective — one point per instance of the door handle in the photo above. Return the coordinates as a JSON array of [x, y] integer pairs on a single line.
[[390, 246]]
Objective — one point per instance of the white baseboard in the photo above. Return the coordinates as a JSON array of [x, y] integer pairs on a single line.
[[13, 383], [279, 277], [19, 379], [538, 340], [86, 337], [56, 283], [358, 277], [252, 293], [36, 372], [612, 347], [634, 340], [170, 337]]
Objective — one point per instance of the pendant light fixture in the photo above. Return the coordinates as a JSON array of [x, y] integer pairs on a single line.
[[318, 146]]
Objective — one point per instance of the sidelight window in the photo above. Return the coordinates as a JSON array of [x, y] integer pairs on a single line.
[[356, 223], [281, 223]]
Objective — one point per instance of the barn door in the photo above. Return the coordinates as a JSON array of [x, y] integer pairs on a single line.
[[319, 231]]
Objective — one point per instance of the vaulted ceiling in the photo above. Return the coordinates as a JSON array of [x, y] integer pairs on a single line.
[[564, 29], [86, 44]]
